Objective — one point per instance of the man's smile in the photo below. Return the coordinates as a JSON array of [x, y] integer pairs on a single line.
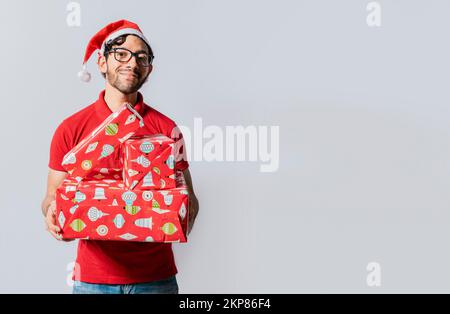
[[129, 75]]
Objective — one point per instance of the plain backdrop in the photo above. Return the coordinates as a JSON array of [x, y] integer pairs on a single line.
[[364, 138]]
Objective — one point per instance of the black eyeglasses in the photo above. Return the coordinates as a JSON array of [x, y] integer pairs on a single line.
[[124, 55]]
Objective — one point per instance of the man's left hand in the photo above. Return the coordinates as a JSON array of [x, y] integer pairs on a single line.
[[193, 211]]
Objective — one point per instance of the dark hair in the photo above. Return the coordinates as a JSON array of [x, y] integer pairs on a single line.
[[119, 41]]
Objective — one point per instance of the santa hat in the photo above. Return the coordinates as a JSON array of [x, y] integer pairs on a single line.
[[106, 34]]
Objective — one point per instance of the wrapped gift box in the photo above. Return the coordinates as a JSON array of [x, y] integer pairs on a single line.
[[102, 208], [149, 162], [102, 142]]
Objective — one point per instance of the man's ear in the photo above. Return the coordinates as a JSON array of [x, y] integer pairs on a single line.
[[150, 68], [102, 64]]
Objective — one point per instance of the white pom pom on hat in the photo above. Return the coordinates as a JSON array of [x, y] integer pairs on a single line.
[[84, 75], [109, 32]]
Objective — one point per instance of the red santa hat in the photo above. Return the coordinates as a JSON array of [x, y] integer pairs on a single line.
[[106, 34]]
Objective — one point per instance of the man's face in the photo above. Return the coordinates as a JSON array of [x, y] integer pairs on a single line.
[[126, 77]]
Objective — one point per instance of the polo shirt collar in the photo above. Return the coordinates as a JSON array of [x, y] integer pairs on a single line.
[[102, 110]]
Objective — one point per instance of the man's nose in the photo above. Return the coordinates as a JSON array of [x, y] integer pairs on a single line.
[[133, 62]]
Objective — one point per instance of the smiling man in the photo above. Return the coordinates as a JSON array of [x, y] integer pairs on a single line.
[[125, 60]]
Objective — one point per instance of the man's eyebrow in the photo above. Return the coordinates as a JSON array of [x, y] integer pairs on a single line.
[[138, 51], [142, 50]]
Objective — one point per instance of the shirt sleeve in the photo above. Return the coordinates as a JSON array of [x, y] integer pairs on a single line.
[[59, 147], [174, 132]]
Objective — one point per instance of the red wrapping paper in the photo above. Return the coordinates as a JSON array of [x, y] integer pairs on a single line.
[[149, 162], [102, 142], [104, 209]]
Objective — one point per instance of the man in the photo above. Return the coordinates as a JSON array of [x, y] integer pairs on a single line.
[[117, 266]]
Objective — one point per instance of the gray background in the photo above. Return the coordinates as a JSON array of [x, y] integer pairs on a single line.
[[364, 138]]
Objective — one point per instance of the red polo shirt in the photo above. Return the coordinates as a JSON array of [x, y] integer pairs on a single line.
[[115, 262]]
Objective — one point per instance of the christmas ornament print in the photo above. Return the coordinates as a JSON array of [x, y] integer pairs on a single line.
[[99, 194], [107, 136], [133, 185], [169, 228], [132, 172], [144, 222], [148, 180], [102, 230], [79, 197], [168, 199], [86, 164], [94, 214], [119, 221], [106, 151], [156, 208], [141, 160], [128, 236], [146, 147], [78, 225], [71, 188], [112, 129], [61, 219], [170, 162], [160, 211], [73, 209], [69, 159], [182, 211], [129, 205], [154, 159], [131, 118], [147, 196], [129, 197], [91, 147], [132, 209], [146, 174]]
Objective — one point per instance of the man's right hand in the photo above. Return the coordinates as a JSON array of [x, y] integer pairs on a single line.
[[53, 181], [50, 220]]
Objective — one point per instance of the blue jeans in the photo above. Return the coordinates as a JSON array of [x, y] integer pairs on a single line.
[[165, 286]]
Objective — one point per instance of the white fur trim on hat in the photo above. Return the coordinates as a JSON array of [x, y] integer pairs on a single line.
[[120, 32]]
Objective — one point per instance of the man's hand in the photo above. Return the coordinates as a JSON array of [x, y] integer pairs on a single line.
[[193, 202], [50, 221], [193, 211], [49, 204]]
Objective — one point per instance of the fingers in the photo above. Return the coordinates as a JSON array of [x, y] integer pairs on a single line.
[[190, 225], [50, 221], [193, 211], [52, 207], [56, 235], [53, 231]]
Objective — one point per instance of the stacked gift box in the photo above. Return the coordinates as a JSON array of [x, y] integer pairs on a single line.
[[146, 200]]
